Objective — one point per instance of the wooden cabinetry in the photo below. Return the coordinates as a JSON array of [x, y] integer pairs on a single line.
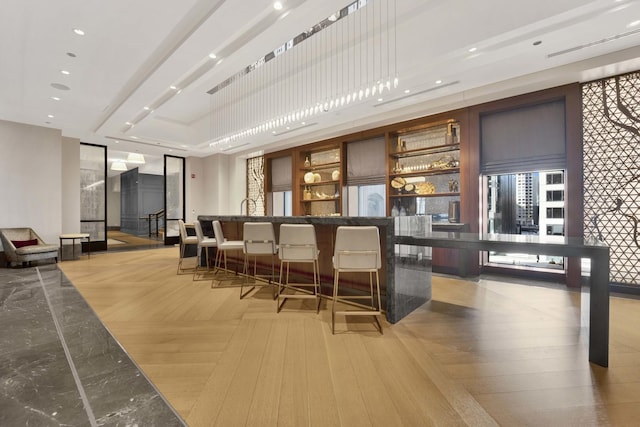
[[424, 170], [319, 179]]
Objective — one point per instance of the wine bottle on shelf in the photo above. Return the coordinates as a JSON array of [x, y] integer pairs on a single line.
[[307, 163], [449, 136]]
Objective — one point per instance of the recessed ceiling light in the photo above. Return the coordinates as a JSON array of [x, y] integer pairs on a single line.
[[273, 132], [55, 98], [219, 62], [117, 142], [633, 24], [65, 72], [438, 82], [173, 87], [407, 90], [128, 123], [146, 108], [51, 116], [303, 123], [183, 146], [277, 5], [134, 137], [379, 99], [212, 55], [473, 49], [78, 31], [60, 86], [288, 128]]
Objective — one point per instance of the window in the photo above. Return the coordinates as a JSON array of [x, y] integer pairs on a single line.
[[555, 196], [555, 212], [282, 203], [525, 203], [366, 200], [555, 178]]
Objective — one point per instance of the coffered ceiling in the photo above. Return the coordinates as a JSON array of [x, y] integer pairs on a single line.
[[155, 54]]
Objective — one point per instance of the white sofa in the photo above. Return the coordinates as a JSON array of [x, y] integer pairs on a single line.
[[14, 252]]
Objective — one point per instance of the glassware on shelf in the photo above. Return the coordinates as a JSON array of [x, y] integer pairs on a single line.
[[307, 163]]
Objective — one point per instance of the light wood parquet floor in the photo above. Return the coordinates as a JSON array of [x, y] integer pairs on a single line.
[[479, 354]]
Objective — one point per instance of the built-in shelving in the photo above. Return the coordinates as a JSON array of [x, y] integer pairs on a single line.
[[424, 169], [320, 181]]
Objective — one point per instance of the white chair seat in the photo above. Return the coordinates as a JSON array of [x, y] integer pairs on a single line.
[[203, 243], [357, 249], [259, 240], [185, 240], [223, 246], [190, 240], [232, 245], [298, 245]]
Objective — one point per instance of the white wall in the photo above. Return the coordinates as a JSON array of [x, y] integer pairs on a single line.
[[70, 175], [217, 192], [113, 201], [218, 187], [194, 188], [31, 184]]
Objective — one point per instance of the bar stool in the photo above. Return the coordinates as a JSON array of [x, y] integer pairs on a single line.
[[223, 246], [259, 240], [184, 241], [203, 242], [357, 249], [298, 245]]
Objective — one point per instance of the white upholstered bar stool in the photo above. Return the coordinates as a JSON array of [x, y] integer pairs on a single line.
[[259, 241], [223, 246], [357, 250], [184, 241], [203, 243], [298, 245]]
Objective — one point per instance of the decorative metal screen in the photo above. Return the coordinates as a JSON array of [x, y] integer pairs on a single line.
[[255, 187], [611, 123]]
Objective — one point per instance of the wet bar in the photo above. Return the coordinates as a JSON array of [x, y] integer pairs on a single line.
[[405, 282]]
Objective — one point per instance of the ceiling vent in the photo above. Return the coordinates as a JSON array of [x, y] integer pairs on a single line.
[[595, 43]]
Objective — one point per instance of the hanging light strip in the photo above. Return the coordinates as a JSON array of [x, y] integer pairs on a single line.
[[353, 7], [300, 88]]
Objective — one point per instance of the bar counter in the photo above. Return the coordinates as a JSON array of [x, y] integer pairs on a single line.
[[405, 284]]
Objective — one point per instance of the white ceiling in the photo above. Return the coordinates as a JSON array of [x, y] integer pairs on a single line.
[[133, 51]]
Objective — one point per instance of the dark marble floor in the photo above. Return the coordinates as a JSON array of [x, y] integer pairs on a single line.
[[59, 366]]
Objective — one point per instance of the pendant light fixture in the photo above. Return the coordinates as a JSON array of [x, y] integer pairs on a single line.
[[135, 158], [342, 68]]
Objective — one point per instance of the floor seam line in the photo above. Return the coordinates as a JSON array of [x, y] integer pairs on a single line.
[[67, 353]]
